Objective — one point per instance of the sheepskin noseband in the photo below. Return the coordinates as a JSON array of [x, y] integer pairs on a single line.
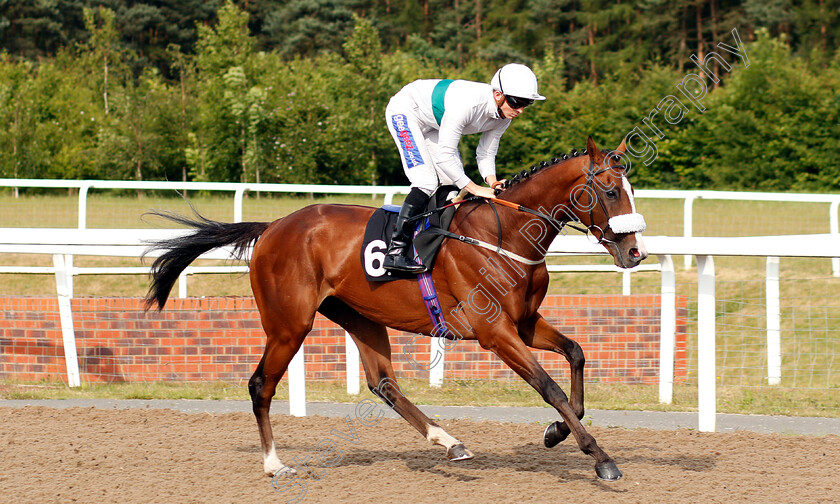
[[627, 223]]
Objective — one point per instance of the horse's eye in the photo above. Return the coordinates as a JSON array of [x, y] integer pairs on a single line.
[[612, 194]]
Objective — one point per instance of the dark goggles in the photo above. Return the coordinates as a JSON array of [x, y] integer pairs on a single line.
[[518, 103]]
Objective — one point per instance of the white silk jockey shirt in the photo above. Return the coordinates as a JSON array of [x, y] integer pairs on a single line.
[[468, 107]]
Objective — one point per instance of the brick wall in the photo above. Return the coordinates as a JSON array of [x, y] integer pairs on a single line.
[[210, 339]]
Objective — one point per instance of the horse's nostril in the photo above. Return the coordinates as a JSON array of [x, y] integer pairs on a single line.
[[635, 253]]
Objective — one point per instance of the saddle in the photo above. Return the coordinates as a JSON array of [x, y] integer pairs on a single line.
[[426, 243]]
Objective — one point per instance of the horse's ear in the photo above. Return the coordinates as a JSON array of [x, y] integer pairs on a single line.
[[591, 148], [621, 148]]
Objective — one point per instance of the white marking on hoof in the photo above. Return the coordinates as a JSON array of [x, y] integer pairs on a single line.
[[283, 471], [273, 466], [438, 436], [458, 452]]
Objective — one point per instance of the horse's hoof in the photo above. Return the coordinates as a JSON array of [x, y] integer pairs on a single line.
[[608, 471], [458, 452], [284, 471], [555, 434]]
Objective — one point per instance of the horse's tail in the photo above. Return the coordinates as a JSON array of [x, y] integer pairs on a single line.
[[184, 250]]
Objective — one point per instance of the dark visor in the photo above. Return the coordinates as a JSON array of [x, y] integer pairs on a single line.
[[518, 103]]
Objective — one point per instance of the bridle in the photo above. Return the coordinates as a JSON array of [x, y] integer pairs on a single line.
[[629, 223], [590, 229], [590, 178]]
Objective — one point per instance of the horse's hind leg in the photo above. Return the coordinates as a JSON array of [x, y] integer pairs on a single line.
[[285, 333], [375, 351], [261, 386], [544, 336]]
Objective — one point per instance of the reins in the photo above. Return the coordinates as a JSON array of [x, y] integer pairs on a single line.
[[483, 244], [558, 224], [554, 222], [442, 208]]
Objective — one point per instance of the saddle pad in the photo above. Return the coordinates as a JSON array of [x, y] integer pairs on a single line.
[[380, 227]]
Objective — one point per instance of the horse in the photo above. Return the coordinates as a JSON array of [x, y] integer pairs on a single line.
[[309, 261]]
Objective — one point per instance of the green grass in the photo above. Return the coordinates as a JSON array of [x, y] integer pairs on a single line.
[[137, 390], [810, 299], [731, 399]]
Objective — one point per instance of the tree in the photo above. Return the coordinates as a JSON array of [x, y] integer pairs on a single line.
[[244, 103], [308, 27], [67, 114], [185, 68], [130, 144], [224, 55], [102, 48], [769, 128], [36, 29], [364, 53], [149, 28], [16, 109]]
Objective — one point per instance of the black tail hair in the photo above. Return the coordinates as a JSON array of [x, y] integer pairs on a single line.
[[184, 250]]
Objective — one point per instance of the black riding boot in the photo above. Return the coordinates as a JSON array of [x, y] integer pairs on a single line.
[[398, 257]]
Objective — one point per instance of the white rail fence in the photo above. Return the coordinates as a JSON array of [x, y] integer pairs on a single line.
[[239, 189], [62, 243], [691, 197]]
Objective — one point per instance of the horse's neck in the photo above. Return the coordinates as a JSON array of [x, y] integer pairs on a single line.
[[541, 194]]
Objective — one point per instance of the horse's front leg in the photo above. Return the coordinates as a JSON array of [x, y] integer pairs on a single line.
[[543, 336], [507, 344]]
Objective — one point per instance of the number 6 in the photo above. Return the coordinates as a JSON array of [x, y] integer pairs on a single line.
[[374, 258]]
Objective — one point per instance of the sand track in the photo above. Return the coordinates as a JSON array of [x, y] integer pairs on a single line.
[[155, 455]]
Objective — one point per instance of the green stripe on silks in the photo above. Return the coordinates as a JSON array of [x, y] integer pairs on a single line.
[[437, 98]]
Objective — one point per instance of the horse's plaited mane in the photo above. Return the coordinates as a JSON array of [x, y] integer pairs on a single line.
[[526, 174]]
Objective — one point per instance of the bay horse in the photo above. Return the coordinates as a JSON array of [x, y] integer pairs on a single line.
[[309, 261]]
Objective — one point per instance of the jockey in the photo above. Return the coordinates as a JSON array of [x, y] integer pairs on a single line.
[[426, 119]]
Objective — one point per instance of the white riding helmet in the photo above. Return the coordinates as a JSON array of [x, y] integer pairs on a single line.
[[516, 80]]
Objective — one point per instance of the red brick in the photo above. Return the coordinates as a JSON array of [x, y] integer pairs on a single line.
[[226, 337]]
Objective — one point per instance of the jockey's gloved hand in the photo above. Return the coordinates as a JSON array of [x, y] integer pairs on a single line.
[[498, 186]]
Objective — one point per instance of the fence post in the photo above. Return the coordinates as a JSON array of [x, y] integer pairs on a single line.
[[774, 341], [238, 196], [706, 369], [688, 220], [83, 193], [68, 273], [436, 349], [182, 284], [834, 228], [389, 196], [82, 220], [68, 336], [667, 329], [297, 385], [625, 282], [351, 355]]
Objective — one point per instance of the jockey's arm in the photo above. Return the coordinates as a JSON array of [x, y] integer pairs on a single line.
[[486, 154], [449, 158], [481, 191]]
